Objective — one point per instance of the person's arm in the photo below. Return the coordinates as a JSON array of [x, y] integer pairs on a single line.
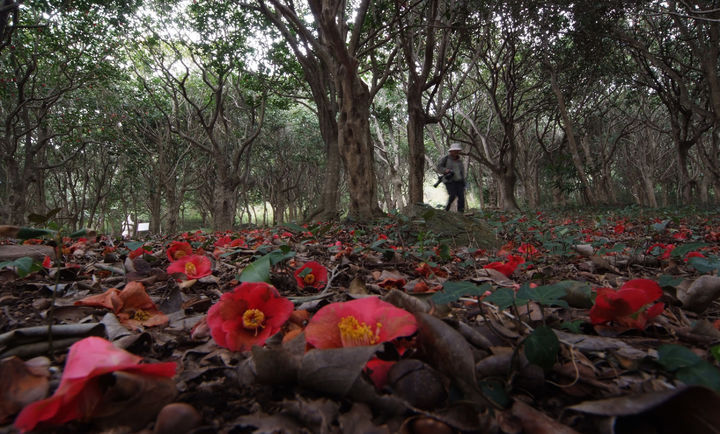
[[441, 168]]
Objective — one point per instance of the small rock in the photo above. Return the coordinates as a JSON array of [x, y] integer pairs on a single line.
[[177, 418]]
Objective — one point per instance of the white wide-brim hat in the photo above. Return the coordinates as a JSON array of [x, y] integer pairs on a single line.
[[456, 147]]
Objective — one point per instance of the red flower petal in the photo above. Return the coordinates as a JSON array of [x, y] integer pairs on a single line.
[[316, 277], [226, 318], [384, 321], [193, 266], [178, 250], [87, 359]]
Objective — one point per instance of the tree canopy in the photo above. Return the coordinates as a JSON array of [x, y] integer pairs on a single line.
[[219, 113]]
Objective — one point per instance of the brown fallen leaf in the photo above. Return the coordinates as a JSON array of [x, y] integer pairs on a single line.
[[701, 293], [536, 422], [357, 287], [132, 399], [445, 349], [687, 410], [22, 383]]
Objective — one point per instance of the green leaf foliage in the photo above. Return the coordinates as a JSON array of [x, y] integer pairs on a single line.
[[542, 347], [684, 249], [673, 357], [134, 245], [452, 291], [27, 233], [550, 295], [700, 374], [257, 271], [705, 265], [23, 266], [294, 227], [667, 280], [572, 326], [502, 297]]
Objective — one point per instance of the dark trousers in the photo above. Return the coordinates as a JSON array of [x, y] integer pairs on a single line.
[[456, 189]]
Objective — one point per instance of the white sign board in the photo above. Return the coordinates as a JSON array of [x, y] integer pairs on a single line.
[[143, 227]]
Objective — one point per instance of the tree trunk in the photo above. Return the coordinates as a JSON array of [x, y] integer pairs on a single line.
[[355, 146], [649, 186], [416, 143], [572, 142], [507, 179], [684, 187], [223, 205], [155, 209]]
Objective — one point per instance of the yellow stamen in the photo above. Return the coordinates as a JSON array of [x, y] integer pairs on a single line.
[[140, 315], [190, 269], [253, 319], [309, 279], [179, 254], [354, 333]]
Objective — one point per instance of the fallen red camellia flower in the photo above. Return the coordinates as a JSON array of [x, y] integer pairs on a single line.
[[528, 249], [132, 305], [693, 255], [509, 267], [665, 249], [139, 252], [193, 266], [312, 274], [80, 389], [178, 250], [248, 315], [630, 306], [365, 321]]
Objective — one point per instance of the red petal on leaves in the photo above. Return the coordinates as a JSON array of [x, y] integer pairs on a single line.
[[77, 393]]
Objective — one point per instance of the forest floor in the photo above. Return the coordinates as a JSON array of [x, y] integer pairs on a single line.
[[521, 337]]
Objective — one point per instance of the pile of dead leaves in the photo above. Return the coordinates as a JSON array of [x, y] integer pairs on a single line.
[[606, 323]]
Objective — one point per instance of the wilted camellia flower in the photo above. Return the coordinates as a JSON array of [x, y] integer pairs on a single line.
[[507, 268], [365, 321], [248, 315], [81, 387], [630, 306], [178, 250], [312, 274], [193, 266]]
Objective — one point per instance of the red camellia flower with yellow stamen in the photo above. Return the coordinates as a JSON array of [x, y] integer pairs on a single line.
[[312, 274], [178, 250], [193, 266], [365, 321], [248, 315], [630, 306]]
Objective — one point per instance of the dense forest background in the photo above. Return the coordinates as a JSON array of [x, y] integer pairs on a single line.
[[217, 112]]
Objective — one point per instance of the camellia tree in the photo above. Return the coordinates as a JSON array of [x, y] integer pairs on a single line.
[[55, 53]]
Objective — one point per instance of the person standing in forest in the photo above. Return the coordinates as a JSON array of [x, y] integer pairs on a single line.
[[453, 171]]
